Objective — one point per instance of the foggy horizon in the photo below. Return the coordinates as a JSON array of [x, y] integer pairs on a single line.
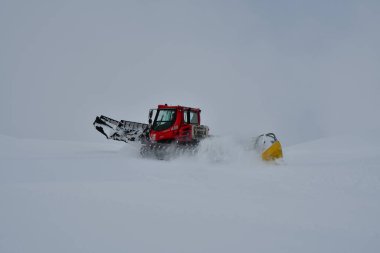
[[302, 69]]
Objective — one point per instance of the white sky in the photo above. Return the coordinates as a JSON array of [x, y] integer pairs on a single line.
[[304, 69]]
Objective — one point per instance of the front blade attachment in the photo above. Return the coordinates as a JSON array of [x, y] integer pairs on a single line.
[[268, 146], [120, 130]]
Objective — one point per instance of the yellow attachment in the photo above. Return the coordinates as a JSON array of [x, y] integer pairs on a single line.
[[273, 152]]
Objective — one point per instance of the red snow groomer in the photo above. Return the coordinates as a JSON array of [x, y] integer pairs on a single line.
[[174, 130], [177, 124]]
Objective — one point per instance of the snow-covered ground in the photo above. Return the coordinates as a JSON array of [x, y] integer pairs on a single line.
[[60, 196]]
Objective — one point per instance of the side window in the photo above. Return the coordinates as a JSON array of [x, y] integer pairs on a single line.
[[194, 118], [191, 117], [185, 116]]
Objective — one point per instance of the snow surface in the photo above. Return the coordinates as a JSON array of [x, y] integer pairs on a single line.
[[60, 196]]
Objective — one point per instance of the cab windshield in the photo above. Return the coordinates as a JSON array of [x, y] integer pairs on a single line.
[[164, 119]]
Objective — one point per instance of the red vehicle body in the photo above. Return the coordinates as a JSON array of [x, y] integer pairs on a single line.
[[176, 123]]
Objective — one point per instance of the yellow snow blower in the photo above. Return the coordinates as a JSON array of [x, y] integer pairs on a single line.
[[268, 146]]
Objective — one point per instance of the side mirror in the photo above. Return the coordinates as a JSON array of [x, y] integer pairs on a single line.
[[150, 121]]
